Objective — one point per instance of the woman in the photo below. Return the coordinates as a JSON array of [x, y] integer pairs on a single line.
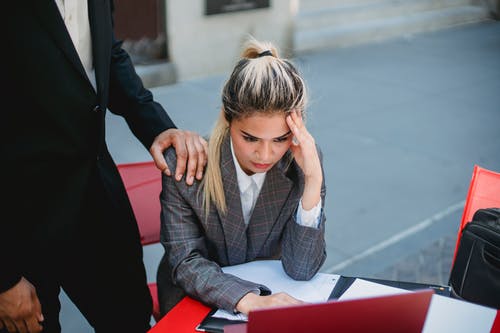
[[262, 195]]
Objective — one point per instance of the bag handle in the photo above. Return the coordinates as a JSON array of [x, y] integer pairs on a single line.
[[491, 258]]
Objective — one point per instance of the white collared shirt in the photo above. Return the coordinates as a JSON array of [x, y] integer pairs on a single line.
[[250, 187], [76, 18]]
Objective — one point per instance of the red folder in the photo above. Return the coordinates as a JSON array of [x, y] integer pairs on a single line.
[[183, 318]]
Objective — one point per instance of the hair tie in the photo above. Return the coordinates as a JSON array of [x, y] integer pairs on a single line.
[[265, 53]]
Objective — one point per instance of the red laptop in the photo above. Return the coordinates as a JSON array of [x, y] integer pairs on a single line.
[[402, 313]]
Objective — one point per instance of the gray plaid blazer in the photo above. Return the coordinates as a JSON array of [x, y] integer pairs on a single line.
[[197, 246]]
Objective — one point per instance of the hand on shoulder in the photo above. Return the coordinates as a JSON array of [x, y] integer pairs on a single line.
[[191, 151]]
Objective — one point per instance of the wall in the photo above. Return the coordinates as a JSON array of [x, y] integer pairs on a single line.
[[201, 45], [494, 6]]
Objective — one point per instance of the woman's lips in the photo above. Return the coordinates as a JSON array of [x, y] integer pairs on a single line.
[[261, 166]]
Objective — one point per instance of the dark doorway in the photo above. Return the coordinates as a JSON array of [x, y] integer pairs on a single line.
[[141, 26]]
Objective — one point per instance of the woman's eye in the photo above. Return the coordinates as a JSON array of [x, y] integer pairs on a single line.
[[249, 139], [281, 139]]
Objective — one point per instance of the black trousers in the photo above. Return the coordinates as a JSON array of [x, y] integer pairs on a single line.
[[99, 267]]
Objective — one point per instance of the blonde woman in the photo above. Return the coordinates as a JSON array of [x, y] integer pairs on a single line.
[[261, 197]]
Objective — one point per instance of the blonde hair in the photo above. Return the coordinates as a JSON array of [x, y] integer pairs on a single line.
[[260, 82]]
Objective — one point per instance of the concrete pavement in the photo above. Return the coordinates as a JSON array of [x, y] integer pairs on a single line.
[[401, 125]]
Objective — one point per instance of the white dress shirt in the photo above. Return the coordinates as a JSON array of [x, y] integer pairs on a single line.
[[250, 187], [75, 14]]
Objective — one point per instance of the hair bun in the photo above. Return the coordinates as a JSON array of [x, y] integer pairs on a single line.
[[265, 53], [256, 49]]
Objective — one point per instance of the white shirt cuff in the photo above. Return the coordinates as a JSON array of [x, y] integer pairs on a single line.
[[309, 218]]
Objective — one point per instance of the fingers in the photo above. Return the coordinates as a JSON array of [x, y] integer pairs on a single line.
[[21, 326], [297, 118], [280, 299], [251, 301], [16, 326], [285, 299], [38, 309], [161, 143], [192, 160], [181, 152], [197, 157], [33, 324], [20, 309], [10, 326], [160, 162], [202, 149], [190, 149], [296, 124]]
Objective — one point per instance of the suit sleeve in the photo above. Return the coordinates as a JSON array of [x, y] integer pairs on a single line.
[[128, 98], [303, 248], [185, 246], [11, 273]]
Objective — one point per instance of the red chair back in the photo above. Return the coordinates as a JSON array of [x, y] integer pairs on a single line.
[[143, 183], [484, 192]]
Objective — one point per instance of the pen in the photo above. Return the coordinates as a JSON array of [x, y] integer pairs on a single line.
[[439, 288]]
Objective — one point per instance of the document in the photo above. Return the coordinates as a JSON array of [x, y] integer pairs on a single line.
[[453, 315], [271, 274], [445, 314], [362, 289]]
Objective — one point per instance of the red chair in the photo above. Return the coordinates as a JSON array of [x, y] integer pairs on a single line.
[[484, 192], [143, 183]]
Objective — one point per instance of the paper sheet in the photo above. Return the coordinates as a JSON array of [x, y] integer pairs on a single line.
[[445, 314], [271, 274], [362, 289], [452, 315]]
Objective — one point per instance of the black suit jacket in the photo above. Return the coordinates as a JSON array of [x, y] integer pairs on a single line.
[[53, 126]]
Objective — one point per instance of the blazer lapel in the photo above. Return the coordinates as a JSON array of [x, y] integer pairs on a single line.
[[232, 222], [273, 196], [49, 16], [101, 30]]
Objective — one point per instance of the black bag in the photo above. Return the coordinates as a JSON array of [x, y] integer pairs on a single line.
[[475, 275]]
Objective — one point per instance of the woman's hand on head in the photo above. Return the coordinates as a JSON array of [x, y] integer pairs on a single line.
[[252, 301], [304, 148], [305, 154]]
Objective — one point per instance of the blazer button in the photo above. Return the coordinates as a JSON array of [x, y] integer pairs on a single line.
[[97, 108]]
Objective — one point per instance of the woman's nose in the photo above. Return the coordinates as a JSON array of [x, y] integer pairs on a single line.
[[265, 152]]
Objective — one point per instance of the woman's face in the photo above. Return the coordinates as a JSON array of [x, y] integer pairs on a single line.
[[260, 141]]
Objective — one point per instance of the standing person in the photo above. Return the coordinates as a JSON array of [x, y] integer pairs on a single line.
[[262, 195], [67, 221]]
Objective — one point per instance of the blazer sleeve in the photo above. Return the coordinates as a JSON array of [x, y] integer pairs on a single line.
[[11, 273], [128, 98], [185, 246], [303, 248]]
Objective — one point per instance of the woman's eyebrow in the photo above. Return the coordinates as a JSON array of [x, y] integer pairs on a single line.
[[279, 137], [284, 135]]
